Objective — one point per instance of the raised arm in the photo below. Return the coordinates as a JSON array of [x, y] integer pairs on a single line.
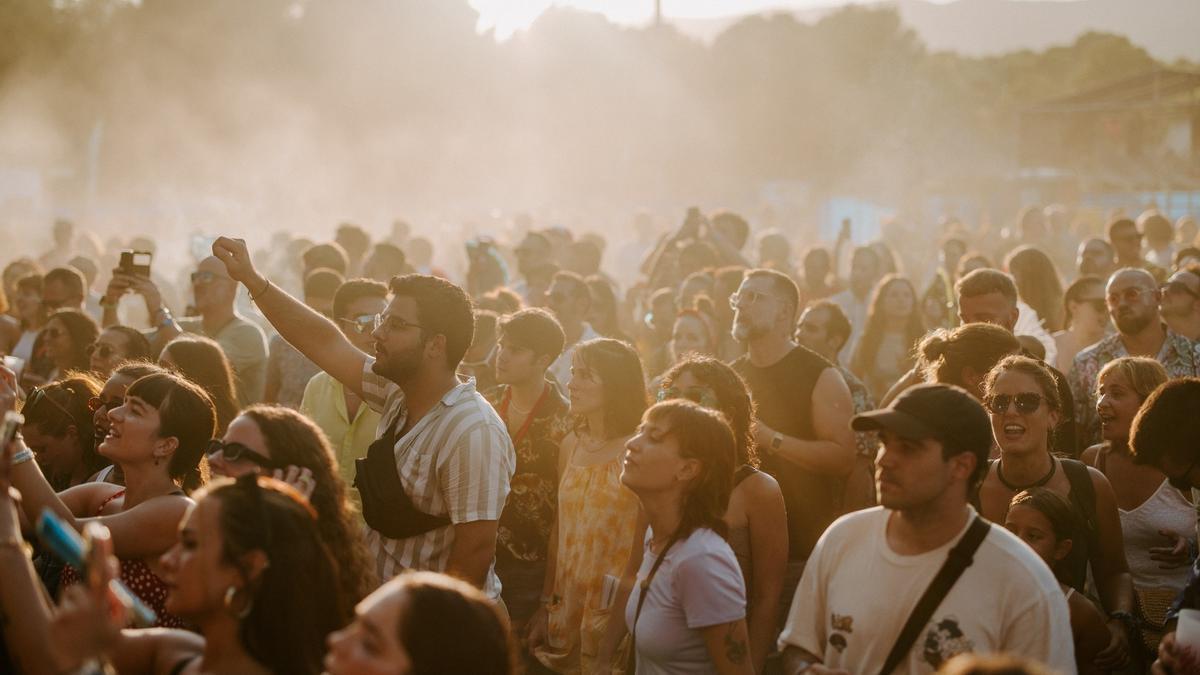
[[312, 334]]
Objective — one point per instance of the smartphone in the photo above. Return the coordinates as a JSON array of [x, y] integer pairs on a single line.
[[136, 263], [66, 543], [8, 431]]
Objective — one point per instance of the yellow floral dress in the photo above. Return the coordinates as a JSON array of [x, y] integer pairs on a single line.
[[596, 519]]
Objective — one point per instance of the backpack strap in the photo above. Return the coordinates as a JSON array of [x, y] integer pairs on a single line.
[[959, 559]]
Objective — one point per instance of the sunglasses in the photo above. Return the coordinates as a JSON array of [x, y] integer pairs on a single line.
[[1179, 287], [96, 404], [101, 349], [233, 452], [1026, 403], [363, 324], [700, 395], [35, 399]]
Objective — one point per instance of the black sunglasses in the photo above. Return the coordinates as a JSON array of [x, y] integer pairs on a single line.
[[36, 396], [101, 349], [232, 452], [96, 403], [1026, 403]]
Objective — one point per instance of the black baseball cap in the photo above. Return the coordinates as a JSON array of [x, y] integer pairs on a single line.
[[942, 412]]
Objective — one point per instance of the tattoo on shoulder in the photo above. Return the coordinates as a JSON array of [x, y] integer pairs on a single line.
[[735, 646]]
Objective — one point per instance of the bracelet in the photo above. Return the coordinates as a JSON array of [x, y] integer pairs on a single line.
[[22, 456], [255, 296]]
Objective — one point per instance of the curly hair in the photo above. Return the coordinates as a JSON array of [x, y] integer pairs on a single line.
[[733, 399], [293, 439]]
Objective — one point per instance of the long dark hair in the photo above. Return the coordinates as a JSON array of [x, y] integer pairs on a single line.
[[704, 435], [293, 604], [733, 399], [294, 439], [67, 407], [82, 331], [441, 615], [202, 361], [186, 413], [623, 382], [868, 346]]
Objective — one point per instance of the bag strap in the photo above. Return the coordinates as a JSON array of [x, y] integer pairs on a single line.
[[643, 589], [959, 559]]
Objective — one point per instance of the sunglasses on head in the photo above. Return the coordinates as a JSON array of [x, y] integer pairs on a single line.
[[700, 395], [361, 324], [233, 452], [36, 396], [1026, 403]]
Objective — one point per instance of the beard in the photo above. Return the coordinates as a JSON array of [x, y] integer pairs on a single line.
[[1128, 324], [399, 366]]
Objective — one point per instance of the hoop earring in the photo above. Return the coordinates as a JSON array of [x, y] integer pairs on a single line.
[[230, 595]]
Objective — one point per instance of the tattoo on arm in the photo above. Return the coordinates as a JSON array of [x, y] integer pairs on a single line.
[[735, 647]]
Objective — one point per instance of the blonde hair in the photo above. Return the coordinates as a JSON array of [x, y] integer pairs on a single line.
[[1143, 374]]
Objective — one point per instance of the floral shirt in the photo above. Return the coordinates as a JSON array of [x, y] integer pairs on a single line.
[[1180, 356], [865, 442], [524, 528]]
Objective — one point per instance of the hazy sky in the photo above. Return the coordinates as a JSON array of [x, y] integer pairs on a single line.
[[507, 16]]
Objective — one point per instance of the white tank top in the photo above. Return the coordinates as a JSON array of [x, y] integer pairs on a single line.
[[1166, 509]]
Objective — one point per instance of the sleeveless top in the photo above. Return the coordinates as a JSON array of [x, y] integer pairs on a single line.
[[783, 394], [597, 516], [136, 575], [1166, 509], [739, 537]]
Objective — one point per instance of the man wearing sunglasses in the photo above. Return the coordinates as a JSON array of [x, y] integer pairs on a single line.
[[1164, 435], [435, 480], [1180, 302], [347, 422], [1133, 305], [244, 343]]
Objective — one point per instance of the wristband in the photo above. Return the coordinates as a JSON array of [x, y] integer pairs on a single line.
[[255, 296], [22, 456]]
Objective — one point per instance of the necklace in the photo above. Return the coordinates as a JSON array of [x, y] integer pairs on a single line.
[[1038, 483]]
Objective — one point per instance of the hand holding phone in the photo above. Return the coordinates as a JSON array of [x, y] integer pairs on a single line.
[[66, 543]]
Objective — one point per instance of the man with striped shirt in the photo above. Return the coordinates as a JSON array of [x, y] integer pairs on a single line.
[[452, 454]]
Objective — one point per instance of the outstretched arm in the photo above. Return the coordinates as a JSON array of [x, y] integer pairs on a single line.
[[312, 334]]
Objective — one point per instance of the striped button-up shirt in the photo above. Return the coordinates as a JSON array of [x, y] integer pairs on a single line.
[[456, 461]]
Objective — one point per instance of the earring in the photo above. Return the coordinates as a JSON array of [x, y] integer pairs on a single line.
[[230, 596]]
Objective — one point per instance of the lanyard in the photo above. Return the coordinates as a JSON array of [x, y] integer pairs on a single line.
[[528, 420]]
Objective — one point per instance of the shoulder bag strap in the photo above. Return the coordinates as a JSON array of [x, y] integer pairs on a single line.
[[643, 589], [959, 559]]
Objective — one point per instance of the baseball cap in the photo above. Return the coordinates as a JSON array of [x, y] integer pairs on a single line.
[[943, 412]]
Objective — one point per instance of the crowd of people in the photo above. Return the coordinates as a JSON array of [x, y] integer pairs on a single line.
[[743, 458]]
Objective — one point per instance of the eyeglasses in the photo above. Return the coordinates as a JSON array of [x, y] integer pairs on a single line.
[[392, 323], [233, 452], [95, 404], [362, 324], [206, 277], [748, 298], [1026, 403], [1129, 295], [101, 349], [701, 395]]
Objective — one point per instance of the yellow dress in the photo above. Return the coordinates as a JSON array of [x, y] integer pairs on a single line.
[[596, 519]]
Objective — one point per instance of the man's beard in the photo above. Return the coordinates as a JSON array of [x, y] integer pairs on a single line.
[[1130, 324], [745, 331], [399, 367]]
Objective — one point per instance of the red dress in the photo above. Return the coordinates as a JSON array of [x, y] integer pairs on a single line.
[[137, 576]]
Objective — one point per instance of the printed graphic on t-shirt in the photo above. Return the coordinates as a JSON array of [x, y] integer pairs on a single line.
[[945, 640]]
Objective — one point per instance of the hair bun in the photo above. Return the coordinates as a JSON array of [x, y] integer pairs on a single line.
[[934, 346]]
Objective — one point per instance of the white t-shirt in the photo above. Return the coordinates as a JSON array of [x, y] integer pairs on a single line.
[[698, 585], [857, 593]]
